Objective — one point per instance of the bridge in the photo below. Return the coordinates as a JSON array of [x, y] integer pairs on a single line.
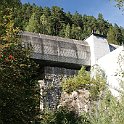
[[58, 57], [54, 50], [62, 57]]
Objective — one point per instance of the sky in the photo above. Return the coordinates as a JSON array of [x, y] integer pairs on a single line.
[[88, 7]]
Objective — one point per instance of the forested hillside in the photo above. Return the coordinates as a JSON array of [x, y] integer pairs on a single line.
[[54, 21]]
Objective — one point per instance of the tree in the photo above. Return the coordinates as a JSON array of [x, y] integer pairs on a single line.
[[57, 18], [19, 96], [33, 24], [45, 25], [53, 21], [100, 23], [115, 35], [25, 14], [77, 19], [119, 3], [68, 18], [76, 32], [68, 31], [9, 4], [111, 36], [119, 36]]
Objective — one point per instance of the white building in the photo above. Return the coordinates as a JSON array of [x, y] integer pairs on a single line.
[[110, 59]]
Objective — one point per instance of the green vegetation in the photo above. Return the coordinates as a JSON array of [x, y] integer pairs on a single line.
[[106, 109], [19, 95], [63, 116], [19, 92], [54, 21], [84, 81], [109, 110], [120, 4]]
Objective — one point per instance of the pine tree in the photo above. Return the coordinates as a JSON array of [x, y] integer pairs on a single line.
[[76, 32], [118, 36], [68, 31], [111, 36], [45, 25], [33, 24]]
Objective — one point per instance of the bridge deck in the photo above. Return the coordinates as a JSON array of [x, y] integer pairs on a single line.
[[57, 49]]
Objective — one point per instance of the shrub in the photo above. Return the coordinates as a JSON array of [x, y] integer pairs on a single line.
[[63, 116], [83, 81]]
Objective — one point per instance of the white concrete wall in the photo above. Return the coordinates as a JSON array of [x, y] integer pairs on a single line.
[[108, 61], [98, 47], [113, 64]]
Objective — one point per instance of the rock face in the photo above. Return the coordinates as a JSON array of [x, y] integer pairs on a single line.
[[77, 100], [52, 96], [52, 81]]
